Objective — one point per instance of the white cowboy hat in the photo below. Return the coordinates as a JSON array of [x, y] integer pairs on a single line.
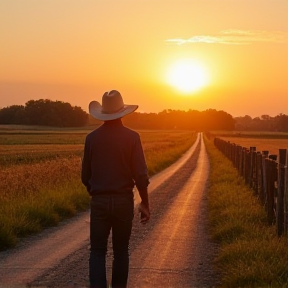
[[112, 107]]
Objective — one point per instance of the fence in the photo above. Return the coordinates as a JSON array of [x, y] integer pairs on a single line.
[[267, 177]]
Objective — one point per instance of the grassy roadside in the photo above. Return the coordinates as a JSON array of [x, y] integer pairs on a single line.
[[38, 195], [251, 255]]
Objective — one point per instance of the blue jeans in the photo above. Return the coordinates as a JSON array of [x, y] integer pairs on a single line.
[[110, 212]]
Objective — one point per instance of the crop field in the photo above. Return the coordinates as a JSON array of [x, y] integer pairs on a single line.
[[261, 144], [263, 141], [40, 174], [251, 134]]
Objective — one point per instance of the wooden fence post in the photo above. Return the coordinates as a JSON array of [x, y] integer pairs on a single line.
[[241, 161], [280, 192], [264, 177], [258, 186], [252, 166], [271, 168], [286, 198], [245, 166]]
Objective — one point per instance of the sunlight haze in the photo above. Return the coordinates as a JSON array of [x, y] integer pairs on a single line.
[[74, 51]]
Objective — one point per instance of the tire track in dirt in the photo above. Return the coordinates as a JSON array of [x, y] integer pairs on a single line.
[[177, 251]]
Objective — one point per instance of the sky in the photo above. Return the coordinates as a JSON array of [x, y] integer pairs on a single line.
[[234, 53]]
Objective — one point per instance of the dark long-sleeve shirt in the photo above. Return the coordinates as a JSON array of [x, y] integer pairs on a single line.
[[114, 160]]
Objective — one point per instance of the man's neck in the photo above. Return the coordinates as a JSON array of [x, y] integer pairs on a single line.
[[115, 122]]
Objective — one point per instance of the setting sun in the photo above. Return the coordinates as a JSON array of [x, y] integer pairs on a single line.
[[187, 76], [184, 56]]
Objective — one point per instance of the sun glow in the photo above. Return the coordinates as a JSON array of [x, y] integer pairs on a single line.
[[187, 76]]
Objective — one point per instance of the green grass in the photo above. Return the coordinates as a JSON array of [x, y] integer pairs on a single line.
[[250, 254]]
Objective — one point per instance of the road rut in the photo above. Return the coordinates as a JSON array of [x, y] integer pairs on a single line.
[[177, 252]]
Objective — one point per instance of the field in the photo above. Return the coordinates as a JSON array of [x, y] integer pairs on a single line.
[[268, 141], [40, 174], [271, 145]]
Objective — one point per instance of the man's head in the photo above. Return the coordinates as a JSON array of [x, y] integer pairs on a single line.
[[112, 107]]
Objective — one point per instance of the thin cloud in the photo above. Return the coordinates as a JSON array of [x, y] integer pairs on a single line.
[[236, 37]]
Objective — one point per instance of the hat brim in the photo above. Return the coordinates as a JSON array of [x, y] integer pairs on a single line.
[[95, 110]]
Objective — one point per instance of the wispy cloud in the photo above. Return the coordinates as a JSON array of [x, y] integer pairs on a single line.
[[236, 37]]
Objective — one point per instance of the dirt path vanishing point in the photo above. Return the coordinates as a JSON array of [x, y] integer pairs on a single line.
[[172, 250]]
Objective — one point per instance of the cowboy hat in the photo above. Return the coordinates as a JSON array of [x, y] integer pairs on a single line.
[[112, 107]]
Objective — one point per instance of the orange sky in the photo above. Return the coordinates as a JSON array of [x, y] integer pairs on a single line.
[[74, 51]]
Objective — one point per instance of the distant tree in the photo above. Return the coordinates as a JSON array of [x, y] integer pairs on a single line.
[[12, 115], [265, 117], [263, 123], [243, 123], [217, 120], [256, 123], [132, 120], [281, 122]]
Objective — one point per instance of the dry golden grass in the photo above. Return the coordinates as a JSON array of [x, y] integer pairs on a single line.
[[21, 180], [29, 154], [33, 196], [35, 149], [271, 145]]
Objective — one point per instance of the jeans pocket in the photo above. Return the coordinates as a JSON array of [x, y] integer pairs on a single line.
[[124, 207], [99, 207]]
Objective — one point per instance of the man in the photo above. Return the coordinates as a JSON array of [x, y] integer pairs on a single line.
[[113, 164]]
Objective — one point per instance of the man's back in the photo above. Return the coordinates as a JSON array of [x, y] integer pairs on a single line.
[[116, 158]]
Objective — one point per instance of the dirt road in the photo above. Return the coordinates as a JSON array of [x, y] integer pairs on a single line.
[[172, 250]]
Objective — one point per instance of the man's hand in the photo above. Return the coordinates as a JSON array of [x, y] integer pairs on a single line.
[[144, 213]]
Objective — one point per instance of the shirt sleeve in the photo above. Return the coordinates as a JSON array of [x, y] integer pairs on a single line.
[[139, 167], [86, 165]]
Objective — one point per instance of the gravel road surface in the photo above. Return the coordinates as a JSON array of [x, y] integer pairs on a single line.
[[172, 250]]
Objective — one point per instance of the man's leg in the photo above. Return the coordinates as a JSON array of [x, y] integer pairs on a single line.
[[121, 232], [100, 225]]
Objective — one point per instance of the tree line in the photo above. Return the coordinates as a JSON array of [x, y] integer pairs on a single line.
[[60, 114], [265, 122], [44, 112], [184, 120]]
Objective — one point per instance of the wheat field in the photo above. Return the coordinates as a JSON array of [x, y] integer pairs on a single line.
[[40, 175]]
